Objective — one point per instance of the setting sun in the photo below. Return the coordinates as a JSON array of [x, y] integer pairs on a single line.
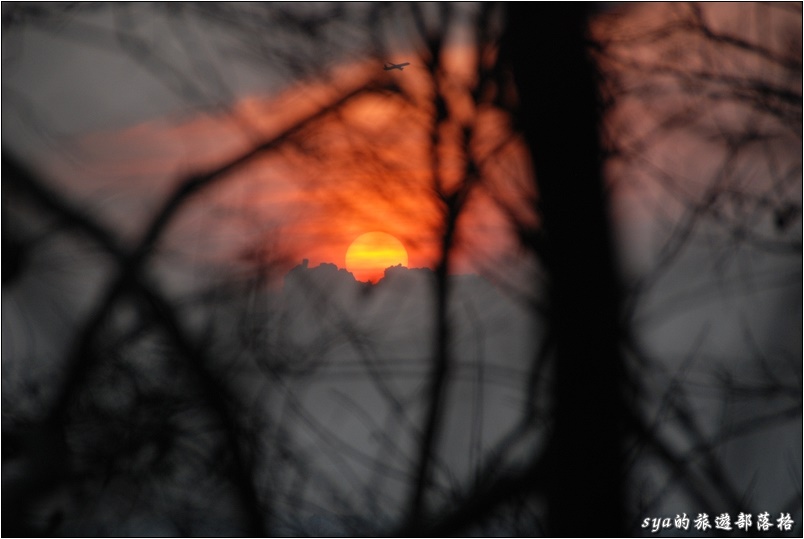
[[370, 254]]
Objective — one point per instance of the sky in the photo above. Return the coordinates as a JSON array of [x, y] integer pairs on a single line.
[[123, 102], [115, 128], [116, 104]]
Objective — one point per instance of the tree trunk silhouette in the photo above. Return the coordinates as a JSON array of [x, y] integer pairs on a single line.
[[559, 116]]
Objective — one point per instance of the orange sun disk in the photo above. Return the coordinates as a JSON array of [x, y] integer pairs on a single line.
[[370, 254]]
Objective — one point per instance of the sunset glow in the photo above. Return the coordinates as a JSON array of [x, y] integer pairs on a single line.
[[370, 254], [261, 281], [371, 171]]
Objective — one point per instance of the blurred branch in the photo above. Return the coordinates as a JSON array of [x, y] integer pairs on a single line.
[[22, 178], [698, 23]]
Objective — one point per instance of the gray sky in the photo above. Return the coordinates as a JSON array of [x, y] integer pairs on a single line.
[[116, 94]]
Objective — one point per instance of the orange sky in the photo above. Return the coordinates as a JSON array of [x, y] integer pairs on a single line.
[[363, 169], [366, 168]]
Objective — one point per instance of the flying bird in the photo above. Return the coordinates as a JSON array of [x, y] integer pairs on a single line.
[[400, 67]]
